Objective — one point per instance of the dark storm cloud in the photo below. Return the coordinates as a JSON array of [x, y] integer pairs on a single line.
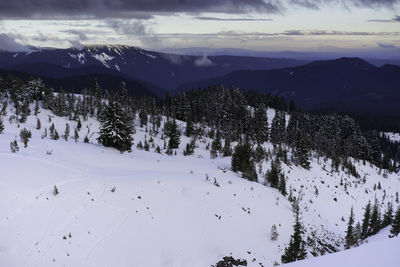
[[144, 9], [141, 9], [395, 19], [232, 19]]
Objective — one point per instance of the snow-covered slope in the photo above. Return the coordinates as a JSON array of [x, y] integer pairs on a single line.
[[379, 251], [149, 209]]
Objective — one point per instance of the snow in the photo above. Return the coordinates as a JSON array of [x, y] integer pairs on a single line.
[[117, 67], [164, 212], [394, 137], [148, 55], [80, 57], [103, 58], [381, 251]]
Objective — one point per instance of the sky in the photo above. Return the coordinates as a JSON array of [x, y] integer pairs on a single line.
[[263, 25]]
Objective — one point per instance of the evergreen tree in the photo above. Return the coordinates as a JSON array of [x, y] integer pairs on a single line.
[[14, 146], [38, 124], [66, 132], [388, 216], [261, 124], [241, 161], [79, 124], [76, 135], [273, 175], [1, 125], [174, 135], [375, 221], [25, 135], [282, 185], [350, 239], [189, 127], [296, 249], [215, 145], [116, 127], [37, 110], [274, 233], [366, 221], [396, 223], [143, 117], [301, 152], [227, 150]]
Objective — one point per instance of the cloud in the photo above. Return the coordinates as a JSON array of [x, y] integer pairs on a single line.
[[395, 19], [79, 34], [203, 62], [387, 46], [232, 19], [135, 29], [145, 9], [139, 9], [8, 43]]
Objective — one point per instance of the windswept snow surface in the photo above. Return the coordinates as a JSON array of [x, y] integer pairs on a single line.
[[163, 212], [378, 252]]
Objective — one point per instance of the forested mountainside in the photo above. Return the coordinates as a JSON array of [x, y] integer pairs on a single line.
[[191, 168]]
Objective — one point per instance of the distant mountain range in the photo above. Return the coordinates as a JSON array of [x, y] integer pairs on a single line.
[[349, 85], [162, 70]]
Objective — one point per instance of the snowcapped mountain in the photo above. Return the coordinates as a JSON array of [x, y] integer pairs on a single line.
[[166, 71], [66, 203]]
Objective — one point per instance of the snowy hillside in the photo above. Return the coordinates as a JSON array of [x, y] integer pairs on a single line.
[[149, 209], [379, 251]]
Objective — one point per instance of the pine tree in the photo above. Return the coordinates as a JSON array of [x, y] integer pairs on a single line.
[[66, 132], [282, 185], [174, 135], [38, 124], [388, 216], [227, 150], [116, 127], [76, 135], [396, 223], [273, 175], [274, 233], [301, 152], [1, 125], [79, 124], [366, 220], [143, 117], [261, 124], [215, 145], [241, 161], [37, 110], [350, 239], [296, 249], [14, 146], [25, 135], [189, 127], [375, 221]]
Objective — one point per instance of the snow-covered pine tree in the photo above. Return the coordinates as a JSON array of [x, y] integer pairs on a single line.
[[116, 127]]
